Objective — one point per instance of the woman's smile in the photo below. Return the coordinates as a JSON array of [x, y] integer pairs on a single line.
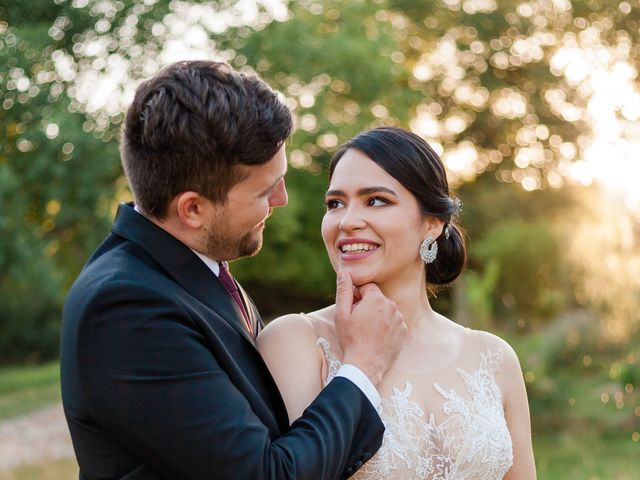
[[352, 249]]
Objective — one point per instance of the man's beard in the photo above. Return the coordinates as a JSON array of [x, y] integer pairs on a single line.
[[223, 247]]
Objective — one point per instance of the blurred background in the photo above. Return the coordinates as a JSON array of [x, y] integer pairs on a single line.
[[534, 107]]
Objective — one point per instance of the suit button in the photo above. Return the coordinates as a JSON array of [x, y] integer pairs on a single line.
[[358, 464], [349, 471], [366, 457]]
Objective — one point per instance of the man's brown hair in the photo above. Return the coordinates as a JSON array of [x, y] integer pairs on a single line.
[[192, 125]]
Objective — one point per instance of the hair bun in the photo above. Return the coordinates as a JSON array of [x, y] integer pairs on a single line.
[[451, 259]]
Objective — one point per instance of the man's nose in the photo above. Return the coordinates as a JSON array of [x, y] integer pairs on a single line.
[[279, 197]]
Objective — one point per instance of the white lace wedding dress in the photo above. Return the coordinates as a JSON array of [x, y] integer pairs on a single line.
[[446, 424]]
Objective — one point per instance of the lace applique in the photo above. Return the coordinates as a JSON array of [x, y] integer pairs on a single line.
[[333, 364], [471, 443]]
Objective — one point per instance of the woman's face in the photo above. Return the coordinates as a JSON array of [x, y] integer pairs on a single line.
[[373, 227]]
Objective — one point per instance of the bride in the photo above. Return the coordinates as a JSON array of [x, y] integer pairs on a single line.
[[454, 402]]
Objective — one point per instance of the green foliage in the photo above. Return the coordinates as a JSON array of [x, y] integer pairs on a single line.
[[436, 67], [531, 278], [54, 181], [578, 381], [517, 253], [480, 290]]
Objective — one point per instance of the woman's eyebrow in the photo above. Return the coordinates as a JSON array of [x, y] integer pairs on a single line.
[[362, 191]]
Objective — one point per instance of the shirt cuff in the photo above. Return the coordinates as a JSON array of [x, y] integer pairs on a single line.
[[361, 381]]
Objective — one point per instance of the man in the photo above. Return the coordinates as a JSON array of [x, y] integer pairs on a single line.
[[160, 375]]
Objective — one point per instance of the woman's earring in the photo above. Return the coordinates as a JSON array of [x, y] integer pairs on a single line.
[[429, 250]]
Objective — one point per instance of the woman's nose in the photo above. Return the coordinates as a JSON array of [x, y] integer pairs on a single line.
[[351, 220]]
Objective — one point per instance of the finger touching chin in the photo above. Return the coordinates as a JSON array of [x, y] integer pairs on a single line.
[[359, 278], [356, 294], [368, 288]]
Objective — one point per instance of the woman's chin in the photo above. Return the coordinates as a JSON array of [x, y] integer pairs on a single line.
[[360, 278]]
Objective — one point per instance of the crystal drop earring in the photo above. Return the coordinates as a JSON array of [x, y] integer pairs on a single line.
[[429, 250]]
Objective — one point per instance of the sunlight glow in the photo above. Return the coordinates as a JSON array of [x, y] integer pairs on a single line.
[[612, 158], [599, 72], [104, 83], [603, 244], [508, 103], [617, 166], [461, 162]]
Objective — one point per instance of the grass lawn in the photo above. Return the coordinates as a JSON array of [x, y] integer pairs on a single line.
[[64, 469], [25, 389], [571, 456], [558, 457]]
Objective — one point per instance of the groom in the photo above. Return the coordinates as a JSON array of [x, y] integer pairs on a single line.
[[160, 376]]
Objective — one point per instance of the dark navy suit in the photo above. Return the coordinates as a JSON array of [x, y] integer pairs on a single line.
[[161, 380]]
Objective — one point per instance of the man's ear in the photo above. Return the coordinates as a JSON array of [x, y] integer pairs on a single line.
[[432, 226], [191, 208]]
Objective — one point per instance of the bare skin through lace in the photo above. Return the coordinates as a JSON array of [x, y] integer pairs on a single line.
[[471, 443]]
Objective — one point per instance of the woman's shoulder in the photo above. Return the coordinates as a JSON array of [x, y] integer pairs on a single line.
[[290, 325], [499, 349], [323, 321], [301, 326], [323, 316], [490, 340]]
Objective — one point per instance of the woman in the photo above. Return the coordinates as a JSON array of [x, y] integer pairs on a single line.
[[454, 403]]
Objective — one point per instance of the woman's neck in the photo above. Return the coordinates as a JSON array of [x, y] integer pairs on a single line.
[[412, 301]]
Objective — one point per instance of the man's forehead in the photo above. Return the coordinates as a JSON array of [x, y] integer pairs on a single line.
[[277, 166]]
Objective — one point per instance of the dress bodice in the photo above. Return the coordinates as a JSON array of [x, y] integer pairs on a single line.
[[446, 424]]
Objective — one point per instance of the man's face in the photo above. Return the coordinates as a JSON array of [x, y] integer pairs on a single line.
[[235, 229]]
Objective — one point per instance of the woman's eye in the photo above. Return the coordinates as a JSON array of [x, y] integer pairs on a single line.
[[331, 204], [377, 202]]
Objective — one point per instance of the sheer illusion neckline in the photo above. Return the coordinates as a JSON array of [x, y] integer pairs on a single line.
[[446, 366], [470, 441], [467, 334]]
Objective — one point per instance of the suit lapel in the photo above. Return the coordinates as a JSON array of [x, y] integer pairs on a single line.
[[181, 264], [186, 269]]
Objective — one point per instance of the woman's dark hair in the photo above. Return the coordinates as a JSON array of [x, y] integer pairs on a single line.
[[412, 162], [191, 126]]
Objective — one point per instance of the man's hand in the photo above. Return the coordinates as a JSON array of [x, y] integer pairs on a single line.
[[371, 330]]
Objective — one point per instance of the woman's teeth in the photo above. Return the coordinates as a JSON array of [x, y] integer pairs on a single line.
[[357, 248]]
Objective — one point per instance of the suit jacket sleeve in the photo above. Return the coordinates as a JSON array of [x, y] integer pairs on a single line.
[[155, 385]]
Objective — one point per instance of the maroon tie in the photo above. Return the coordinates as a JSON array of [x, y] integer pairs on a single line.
[[230, 284]]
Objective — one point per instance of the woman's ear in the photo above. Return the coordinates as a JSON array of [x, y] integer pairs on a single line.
[[432, 226]]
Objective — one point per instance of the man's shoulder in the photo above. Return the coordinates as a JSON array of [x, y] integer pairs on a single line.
[[116, 264], [118, 256]]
